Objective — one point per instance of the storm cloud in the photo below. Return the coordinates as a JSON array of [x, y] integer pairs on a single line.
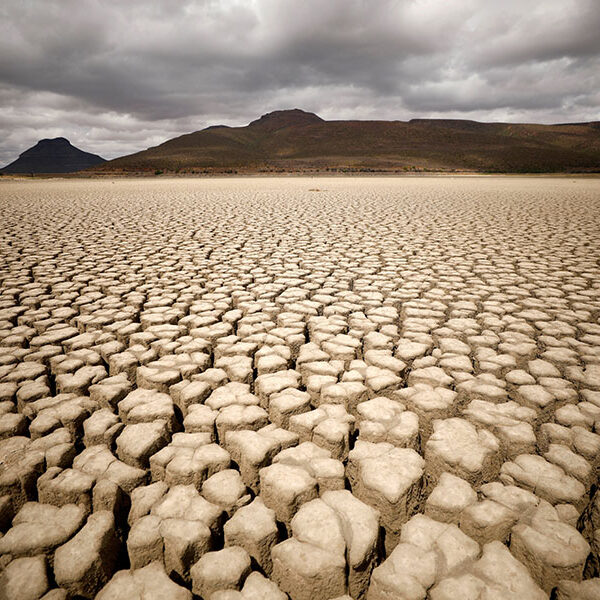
[[116, 77]]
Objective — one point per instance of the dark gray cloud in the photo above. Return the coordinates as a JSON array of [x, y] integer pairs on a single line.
[[116, 77]]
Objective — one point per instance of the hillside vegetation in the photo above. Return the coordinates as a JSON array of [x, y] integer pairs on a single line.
[[294, 140]]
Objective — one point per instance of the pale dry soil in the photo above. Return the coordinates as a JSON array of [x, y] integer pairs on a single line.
[[317, 388]]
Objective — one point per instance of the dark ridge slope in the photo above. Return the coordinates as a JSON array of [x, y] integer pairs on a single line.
[[56, 155]]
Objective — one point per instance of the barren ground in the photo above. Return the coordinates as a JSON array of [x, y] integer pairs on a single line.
[[246, 388]]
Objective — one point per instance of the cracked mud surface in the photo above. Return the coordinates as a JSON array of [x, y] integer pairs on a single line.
[[239, 389]]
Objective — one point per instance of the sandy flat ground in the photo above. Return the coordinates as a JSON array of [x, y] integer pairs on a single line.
[[381, 387]]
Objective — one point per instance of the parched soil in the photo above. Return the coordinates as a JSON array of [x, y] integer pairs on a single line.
[[374, 388]]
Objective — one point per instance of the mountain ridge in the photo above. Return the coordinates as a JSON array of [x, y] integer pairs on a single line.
[[299, 141], [53, 155]]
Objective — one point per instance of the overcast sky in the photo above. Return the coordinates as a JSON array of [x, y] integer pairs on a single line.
[[118, 76]]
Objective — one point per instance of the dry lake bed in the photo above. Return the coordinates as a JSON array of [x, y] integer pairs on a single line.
[[238, 389]]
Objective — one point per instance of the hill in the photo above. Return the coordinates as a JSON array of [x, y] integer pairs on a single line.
[[56, 155], [295, 140]]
